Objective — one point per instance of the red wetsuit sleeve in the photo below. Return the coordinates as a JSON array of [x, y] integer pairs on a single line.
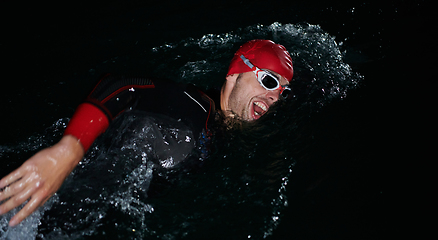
[[87, 123]]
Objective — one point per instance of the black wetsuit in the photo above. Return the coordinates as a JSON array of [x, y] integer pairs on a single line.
[[173, 103]]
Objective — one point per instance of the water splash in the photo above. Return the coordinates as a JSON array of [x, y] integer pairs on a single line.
[[28, 228], [320, 71]]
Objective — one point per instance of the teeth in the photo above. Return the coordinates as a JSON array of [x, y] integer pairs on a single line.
[[262, 106]]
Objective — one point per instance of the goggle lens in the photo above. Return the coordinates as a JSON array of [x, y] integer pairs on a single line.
[[286, 93], [270, 82]]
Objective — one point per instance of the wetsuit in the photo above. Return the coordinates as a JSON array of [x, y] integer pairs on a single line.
[[114, 94]]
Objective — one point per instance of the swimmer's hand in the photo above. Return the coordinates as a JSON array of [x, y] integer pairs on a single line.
[[39, 178]]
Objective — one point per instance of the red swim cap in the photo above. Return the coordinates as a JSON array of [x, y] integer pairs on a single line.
[[263, 54]]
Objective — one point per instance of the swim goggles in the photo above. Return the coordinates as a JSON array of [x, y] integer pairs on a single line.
[[268, 80]]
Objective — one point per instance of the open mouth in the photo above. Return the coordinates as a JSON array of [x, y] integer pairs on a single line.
[[259, 108]]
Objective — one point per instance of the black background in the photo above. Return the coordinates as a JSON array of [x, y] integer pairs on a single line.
[[44, 44]]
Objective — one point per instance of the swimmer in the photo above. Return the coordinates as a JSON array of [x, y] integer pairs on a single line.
[[258, 76]]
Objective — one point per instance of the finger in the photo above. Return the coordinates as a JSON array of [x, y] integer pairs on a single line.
[[18, 186], [30, 207], [12, 189], [29, 190], [17, 199], [10, 178]]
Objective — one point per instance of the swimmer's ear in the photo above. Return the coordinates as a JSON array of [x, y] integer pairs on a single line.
[[229, 83], [232, 78], [227, 89]]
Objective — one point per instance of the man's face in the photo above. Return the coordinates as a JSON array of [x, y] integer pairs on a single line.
[[247, 98]]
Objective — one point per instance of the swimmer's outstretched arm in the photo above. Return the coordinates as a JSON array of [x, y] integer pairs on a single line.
[[43, 174], [39, 177]]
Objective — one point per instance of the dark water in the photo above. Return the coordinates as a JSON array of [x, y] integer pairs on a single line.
[[316, 167]]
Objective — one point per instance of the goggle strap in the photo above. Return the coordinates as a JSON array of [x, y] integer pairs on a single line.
[[247, 62]]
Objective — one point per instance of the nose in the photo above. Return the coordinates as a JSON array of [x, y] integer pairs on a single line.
[[273, 95]]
